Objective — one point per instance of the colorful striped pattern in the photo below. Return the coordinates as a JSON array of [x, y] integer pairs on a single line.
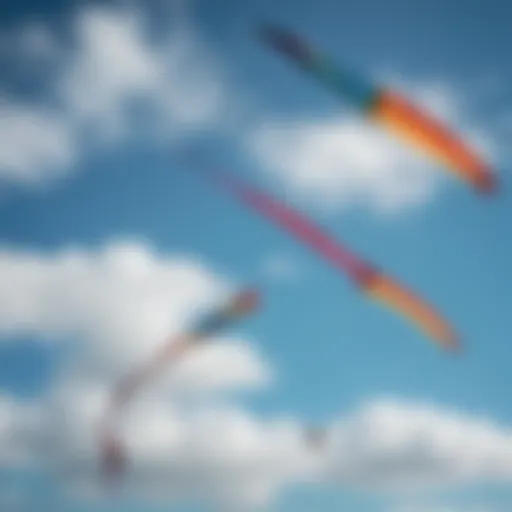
[[358, 91], [405, 120], [390, 293], [365, 276], [390, 110]]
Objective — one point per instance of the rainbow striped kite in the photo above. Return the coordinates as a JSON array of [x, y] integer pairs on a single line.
[[388, 108]]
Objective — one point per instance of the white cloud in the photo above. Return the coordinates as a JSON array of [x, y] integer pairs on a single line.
[[386, 446], [114, 64], [182, 88], [396, 446], [224, 454], [34, 142], [221, 454], [345, 160], [236, 364], [123, 300]]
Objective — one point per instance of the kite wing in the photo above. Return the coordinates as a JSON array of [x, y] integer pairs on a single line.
[[389, 109], [365, 276]]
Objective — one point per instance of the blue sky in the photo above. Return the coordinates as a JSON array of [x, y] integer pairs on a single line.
[[332, 351]]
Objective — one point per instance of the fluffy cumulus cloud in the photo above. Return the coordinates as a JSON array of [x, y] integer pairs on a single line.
[[220, 453], [114, 65], [395, 446], [341, 161], [345, 160], [119, 81], [175, 85], [234, 458], [33, 140], [122, 299]]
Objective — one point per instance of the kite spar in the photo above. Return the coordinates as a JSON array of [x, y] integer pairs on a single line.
[[387, 108]]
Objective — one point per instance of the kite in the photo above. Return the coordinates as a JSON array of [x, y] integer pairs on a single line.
[[388, 108], [242, 304], [366, 277]]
